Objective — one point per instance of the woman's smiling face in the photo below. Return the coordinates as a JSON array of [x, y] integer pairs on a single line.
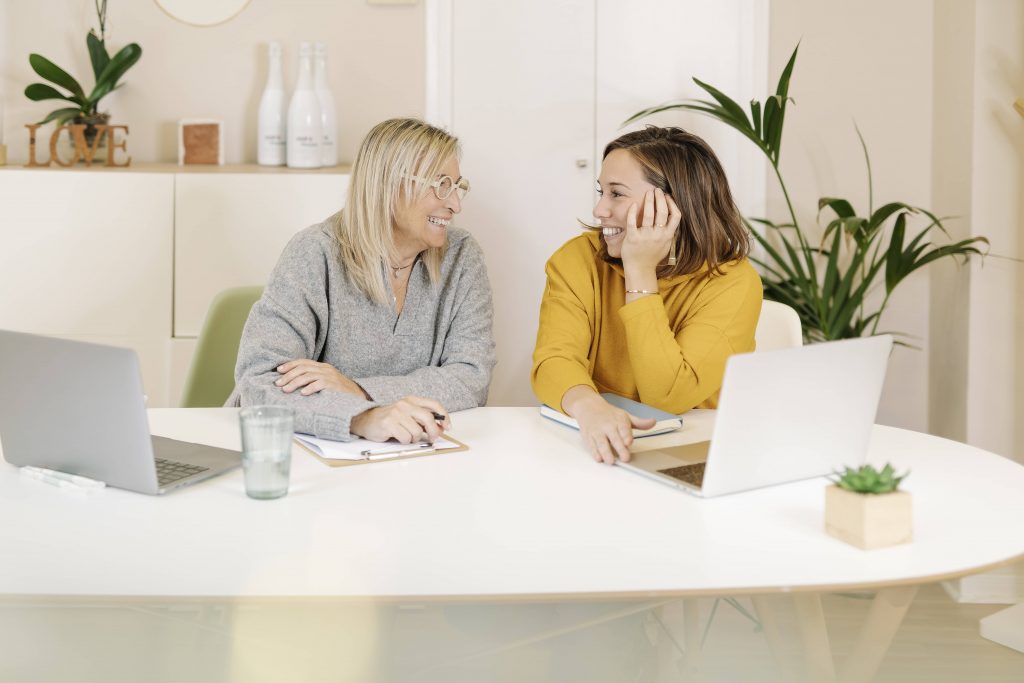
[[423, 222], [621, 184]]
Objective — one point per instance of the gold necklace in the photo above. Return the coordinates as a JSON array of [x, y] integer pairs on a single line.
[[396, 270]]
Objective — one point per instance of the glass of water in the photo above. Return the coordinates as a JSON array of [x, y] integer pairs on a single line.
[[266, 450]]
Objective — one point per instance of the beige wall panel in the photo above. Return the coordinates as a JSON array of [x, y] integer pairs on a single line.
[[231, 228], [86, 253]]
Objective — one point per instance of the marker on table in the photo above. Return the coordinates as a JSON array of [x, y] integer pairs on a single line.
[[61, 479]]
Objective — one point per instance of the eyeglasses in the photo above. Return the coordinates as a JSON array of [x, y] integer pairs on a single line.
[[444, 186]]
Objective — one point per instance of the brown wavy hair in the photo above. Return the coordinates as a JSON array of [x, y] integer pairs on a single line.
[[711, 231]]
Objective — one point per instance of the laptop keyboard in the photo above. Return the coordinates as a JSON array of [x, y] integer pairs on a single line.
[[169, 471], [691, 474]]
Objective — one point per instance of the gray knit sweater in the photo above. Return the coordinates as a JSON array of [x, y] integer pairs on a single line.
[[440, 347]]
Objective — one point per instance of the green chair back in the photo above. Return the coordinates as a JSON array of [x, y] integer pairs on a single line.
[[211, 376]]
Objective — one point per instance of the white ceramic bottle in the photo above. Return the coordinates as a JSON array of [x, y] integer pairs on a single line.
[[273, 114], [304, 127], [328, 117]]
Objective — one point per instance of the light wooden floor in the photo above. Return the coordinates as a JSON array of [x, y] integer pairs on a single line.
[[938, 642]]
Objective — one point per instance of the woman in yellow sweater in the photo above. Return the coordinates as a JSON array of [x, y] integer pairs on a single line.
[[651, 306]]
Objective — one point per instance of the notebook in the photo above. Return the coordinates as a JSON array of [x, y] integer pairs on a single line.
[[782, 416], [666, 422], [78, 408]]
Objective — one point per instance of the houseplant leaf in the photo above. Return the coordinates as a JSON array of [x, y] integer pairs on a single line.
[[61, 115], [125, 58], [53, 73], [98, 55], [37, 92]]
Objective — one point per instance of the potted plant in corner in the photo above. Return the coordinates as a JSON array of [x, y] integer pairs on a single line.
[[107, 71], [864, 507], [828, 275]]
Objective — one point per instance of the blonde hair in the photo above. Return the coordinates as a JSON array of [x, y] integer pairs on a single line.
[[390, 154]]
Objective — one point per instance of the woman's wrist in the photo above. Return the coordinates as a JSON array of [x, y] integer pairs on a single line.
[[640, 282], [576, 399], [641, 278], [356, 424]]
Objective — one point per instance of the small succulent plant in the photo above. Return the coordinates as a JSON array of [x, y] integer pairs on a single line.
[[867, 479]]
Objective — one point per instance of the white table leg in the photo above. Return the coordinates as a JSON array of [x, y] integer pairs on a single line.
[[692, 660], [766, 613], [887, 611], [814, 634], [1005, 627]]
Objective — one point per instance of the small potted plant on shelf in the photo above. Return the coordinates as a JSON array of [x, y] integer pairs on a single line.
[[864, 507], [106, 69]]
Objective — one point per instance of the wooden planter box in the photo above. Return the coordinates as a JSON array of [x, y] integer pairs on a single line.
[[868, 520]]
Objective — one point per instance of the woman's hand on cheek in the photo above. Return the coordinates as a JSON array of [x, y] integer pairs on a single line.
[[646, 245]]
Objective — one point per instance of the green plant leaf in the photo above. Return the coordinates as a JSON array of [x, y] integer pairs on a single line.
[[867, 479], [125, 58], [53, 73], [775, 110], [37, 92], [98, 55], [879, 217], [729, 105], [782, 89], [842, 207], [828, 287], [894, 256], [61, 115], [643, 113], [867, 163]]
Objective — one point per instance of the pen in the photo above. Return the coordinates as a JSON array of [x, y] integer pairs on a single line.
[[423, 450], [398, 450]]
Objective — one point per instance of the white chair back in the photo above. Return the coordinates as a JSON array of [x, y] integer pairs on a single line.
[[778, 327]]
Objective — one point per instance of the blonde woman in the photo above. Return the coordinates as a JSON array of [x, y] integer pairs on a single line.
[[650, 306], [377, 322]]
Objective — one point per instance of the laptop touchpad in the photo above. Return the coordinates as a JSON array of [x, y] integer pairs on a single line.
[[672, 456]]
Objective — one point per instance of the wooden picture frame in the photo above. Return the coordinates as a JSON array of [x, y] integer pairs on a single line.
[[200, 141]]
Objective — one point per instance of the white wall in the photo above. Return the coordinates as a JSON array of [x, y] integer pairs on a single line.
[[867, 62], [952, 142], [376, 54], [996, 341]]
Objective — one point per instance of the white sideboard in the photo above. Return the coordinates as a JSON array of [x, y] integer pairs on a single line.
[[133, 257]]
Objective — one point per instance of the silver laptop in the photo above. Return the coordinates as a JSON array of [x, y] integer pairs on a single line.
[[782, 416], [79, 408]]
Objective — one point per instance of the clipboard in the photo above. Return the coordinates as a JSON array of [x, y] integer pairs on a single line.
[[339, 462]]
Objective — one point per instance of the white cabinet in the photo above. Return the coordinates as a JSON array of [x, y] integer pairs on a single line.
[[231, 227], [133, 257]]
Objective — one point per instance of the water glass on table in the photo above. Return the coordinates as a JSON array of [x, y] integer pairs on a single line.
[[266, 450]]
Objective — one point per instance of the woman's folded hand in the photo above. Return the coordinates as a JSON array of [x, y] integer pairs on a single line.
[[310, 377]]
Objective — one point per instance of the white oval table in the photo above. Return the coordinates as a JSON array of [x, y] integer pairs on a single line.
[[524, 514]]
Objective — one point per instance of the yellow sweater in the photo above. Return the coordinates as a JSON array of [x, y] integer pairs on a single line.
[[667, 351]]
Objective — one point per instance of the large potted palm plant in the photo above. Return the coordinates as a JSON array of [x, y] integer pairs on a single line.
[[828, 276], [107, 71]]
